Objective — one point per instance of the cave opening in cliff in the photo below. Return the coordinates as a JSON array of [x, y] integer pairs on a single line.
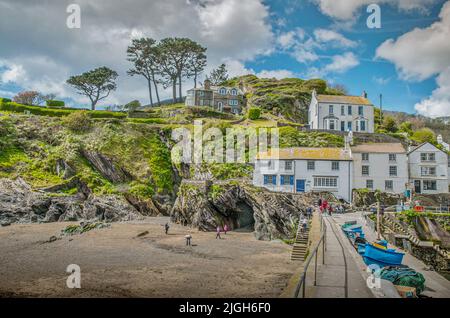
[[242, 218]]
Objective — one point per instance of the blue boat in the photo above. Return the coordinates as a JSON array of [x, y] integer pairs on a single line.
[[382, 256], [361, 248]]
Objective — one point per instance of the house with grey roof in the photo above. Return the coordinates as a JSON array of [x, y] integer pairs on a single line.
[[221, 98], [341, 113]]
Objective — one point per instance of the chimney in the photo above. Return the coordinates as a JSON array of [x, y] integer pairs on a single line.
[[207, 84], [364, 94]]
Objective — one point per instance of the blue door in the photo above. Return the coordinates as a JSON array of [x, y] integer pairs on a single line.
[[300, 186]]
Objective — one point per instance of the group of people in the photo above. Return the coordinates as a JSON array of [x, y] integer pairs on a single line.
[[189, 237], [326, 207]]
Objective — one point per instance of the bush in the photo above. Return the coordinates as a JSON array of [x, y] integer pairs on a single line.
[[55, 103], [79, 121], [254, 113], [5, 100]]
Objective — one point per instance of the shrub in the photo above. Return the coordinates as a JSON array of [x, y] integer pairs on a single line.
[[55, 103], [5, 100], [79, 121], [254, 113], [424, 135]]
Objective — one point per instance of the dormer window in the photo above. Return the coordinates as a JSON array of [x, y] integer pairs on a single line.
[[234, 92], [223, 91]]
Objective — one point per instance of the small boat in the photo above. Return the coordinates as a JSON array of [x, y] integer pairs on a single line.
[[348, 224], [361, 248], [352, 230], [381, 254]]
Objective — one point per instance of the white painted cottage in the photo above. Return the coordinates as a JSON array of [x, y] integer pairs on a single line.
[[299, 170], [428, 169], [380, 166], [341, 113]]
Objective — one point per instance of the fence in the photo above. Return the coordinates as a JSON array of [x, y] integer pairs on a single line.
[[302, 283]]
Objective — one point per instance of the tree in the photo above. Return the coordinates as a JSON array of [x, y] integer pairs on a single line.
[[390, 125], [219, 75], [406, 127], [340, 88], [424, 135], [96, 84], [28, 98], [143, 53], [196, 63], [132, 106], [176, 55]]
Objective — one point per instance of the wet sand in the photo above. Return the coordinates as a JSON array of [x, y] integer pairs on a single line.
[[116, 263]]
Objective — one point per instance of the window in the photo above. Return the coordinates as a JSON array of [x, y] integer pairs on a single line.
[[350, 110], [287, 180], [335, 166], [342, 110], [311, 165], [428, 156], [223, 91], [428, 171], [331, 110], [430, 185], [350, 126], [365, 170], [325, 182], [365, 156], [392, 157], [270, 179], [389, 185], [233, 102], [234, 92], [393, 171], [361, 111], [202, 93], [332, 125], [288, 165], [369, 184], [342, 125], [362, 125]]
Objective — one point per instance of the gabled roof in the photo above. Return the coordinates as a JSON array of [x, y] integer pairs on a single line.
[[423, 144], [336, 99], [379, 148], [306, 154]]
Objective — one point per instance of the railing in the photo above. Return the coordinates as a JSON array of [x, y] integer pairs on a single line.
[[302, 283]]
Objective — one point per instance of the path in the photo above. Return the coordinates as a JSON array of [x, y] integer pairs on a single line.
[[341, 276]]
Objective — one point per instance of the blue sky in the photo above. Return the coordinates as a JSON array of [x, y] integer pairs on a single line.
[[407, 60]]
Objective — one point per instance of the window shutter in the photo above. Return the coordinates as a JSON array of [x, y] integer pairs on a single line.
[[266, 179], [274, 180], [282, 180], [291, 180]]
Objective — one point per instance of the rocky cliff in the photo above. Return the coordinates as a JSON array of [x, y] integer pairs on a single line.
[[205, 205]]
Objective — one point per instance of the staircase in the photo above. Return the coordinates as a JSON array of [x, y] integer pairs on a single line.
[[300, 247]]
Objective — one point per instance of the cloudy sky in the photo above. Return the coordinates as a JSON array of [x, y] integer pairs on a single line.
[[407, 60]]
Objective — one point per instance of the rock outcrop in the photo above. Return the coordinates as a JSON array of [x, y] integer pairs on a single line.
[[205, 206], [19, 204]]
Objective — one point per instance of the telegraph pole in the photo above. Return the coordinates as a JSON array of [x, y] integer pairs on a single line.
[[381, 109]]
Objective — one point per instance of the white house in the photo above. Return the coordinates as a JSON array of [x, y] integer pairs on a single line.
[[341, 113], [380, 166], [305, 170], [441, 141], [428, 169]]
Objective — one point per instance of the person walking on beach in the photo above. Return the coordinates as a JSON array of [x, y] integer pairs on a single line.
[[218, 233], [225, 229], [188, 239], [167, 227]]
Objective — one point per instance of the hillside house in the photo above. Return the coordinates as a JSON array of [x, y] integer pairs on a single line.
[[221, 98], [380, 166], [428, 169], [298, 170], [341, 113]]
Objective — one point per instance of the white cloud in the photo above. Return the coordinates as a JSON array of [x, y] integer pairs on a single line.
[[438, 104], [381, 80], [342, 63], [333, 37], [347, 10], [237, 68], [278, 74], [239, 30], [421, 53]]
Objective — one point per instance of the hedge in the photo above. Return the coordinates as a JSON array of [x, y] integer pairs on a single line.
[[55, 103], [5, 100], [254, 113], [55, 112]]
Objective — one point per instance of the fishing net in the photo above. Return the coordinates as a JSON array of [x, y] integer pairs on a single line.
[[404, 277]]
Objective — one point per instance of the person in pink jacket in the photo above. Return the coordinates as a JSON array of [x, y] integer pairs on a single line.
[[218, 233], [225, 229]]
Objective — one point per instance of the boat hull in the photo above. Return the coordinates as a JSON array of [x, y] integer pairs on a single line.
[[383, 256]]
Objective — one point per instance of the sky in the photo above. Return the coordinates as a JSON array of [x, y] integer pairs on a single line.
[[407, 60]]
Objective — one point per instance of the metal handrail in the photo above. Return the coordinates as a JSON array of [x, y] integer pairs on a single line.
[[302, 283]]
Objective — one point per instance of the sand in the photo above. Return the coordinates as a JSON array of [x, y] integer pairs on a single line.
[[115, 262]]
